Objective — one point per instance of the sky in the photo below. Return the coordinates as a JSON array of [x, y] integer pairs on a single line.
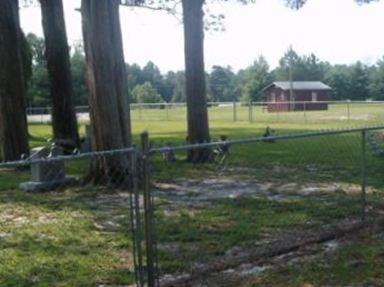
[[338, 31]]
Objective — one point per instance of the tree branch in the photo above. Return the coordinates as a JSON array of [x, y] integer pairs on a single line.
[[162, 7]]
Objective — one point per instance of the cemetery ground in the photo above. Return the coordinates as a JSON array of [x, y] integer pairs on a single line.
[[268, 191]]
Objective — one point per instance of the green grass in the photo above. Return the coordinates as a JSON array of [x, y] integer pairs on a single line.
[[337, 115], [52, 240], [173, 127], [357, 263], [241, 223], [55, 239]]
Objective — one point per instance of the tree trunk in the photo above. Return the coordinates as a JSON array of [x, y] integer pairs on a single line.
[[13, 121], [57, 53], [197, 114], [107, 81]]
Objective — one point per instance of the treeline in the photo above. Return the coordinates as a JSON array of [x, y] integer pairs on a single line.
[[148, 85], [38, 86]]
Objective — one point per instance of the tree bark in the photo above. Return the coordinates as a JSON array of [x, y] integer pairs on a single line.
[[197, 113], [13, 121], [64, 120], [106, 78]]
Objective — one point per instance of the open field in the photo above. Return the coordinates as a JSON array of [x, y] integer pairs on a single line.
[[170, 124], [222, 211], [340, 114]]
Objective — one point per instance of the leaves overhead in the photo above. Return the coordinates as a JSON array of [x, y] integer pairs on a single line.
[[213, 21]]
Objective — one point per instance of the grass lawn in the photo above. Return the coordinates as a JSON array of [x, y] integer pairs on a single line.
[[80, 236], [63, 239], [337, 115], [359, 262], [172, 128]]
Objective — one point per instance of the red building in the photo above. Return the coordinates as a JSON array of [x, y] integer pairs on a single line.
[[311, 96]]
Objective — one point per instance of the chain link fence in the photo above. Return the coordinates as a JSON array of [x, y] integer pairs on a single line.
[[232, 210], [350, 112], [213, 214]]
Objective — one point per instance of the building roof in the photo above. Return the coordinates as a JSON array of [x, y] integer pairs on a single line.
[[300, 85]]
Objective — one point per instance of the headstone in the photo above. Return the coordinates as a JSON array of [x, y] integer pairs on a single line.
[[222, 150], [46, 175], [86, 146], [169, 154], [269, 133]]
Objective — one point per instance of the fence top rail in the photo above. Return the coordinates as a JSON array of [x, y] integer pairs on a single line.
[[307, 102], [321, 102], [259, 102], [156, 104], [25, 162], [261, 139]]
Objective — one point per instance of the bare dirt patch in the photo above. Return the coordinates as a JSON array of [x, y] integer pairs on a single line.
[[197, 192], [193, 192]]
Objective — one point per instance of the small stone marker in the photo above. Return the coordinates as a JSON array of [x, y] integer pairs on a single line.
[[169, 154], [222, 151], [46, 175]]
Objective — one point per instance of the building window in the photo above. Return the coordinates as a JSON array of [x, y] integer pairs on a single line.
[[314, 97], [282, 97], [273, 97]]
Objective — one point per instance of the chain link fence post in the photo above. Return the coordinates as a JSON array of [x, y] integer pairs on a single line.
[[234, 112], [136, 220], [348, 111], [305, 111], [250, 116], [363, 173], [167, 111], [148, 213]]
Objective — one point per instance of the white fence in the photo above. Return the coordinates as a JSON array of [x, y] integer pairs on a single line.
[[368, 111]]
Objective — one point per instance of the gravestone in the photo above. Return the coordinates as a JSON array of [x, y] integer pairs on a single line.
[[169, 155], [46, 175], [221, 152], [269, 133]]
